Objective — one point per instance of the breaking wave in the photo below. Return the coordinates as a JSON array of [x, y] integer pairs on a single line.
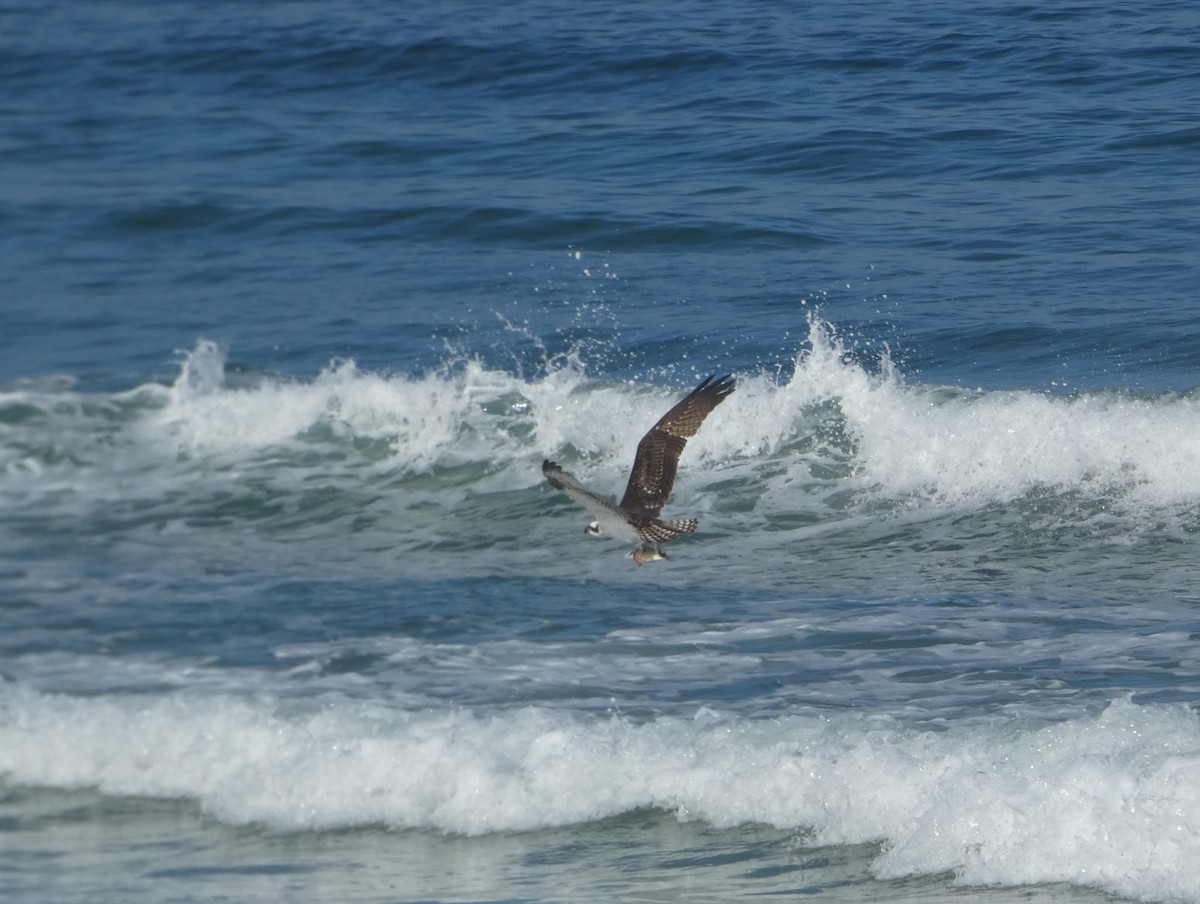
[[1110, 800], [840, 429]]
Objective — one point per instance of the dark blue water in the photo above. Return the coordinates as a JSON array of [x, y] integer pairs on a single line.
[[296, 297]]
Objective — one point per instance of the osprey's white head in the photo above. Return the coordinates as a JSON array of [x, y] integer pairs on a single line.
[[593, 528]]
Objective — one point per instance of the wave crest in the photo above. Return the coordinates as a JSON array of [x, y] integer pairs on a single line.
[[1110, 800], [842, 430]]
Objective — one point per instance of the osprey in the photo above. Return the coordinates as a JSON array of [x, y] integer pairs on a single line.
[[635, 519]]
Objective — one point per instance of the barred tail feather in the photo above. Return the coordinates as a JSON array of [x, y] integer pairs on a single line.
[[665, 531], [682, 525]]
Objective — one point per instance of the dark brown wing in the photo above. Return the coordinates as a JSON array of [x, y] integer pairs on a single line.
[[657, 458]]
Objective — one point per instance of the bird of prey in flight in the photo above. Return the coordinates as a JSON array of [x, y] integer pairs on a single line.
[[635, 518]]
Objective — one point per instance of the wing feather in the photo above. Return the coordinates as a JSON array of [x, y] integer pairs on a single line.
[[569, 484], [657, 459], [655, 531]]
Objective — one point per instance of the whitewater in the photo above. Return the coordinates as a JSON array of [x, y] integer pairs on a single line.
[[850, 676], [842, 420], [1109, 800]]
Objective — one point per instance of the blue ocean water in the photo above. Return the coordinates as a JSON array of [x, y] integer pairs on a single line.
[[296, 297]]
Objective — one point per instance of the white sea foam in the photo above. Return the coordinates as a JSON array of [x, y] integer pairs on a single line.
[[922, 442], [1111, 800], [852, 425], [951, 446]]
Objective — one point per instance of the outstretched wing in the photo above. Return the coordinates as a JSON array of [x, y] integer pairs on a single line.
[[658, 453], [596, 504]]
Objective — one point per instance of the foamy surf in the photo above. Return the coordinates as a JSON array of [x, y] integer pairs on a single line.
[[838, 413], [1110, 800], [438, 472]]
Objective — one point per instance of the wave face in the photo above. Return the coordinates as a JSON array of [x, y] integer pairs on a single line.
[[442, 468]]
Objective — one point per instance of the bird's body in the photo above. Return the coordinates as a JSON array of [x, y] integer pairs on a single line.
[[635, 519]]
